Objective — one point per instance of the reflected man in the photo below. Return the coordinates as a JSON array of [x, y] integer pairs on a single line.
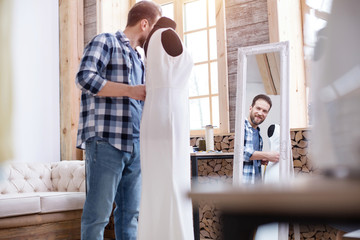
[[254, 157]]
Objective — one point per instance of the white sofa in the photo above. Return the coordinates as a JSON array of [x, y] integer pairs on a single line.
[[41, 199]]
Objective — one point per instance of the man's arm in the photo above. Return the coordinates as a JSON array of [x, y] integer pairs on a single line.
[[114, 89], [265, 156], [95, 59]]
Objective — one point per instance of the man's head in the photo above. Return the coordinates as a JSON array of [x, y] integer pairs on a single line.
[[143, 15], [259, 109]]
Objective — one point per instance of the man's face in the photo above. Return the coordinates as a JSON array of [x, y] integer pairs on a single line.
[[259, 112]]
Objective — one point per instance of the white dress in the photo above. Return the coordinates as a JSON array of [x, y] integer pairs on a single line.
[[165, 209]]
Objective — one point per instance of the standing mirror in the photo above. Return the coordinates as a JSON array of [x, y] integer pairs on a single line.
[[263, 69]]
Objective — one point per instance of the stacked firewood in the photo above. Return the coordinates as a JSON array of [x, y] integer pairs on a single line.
[[301, 157], [221, 143], [314, 232], [210, 221]]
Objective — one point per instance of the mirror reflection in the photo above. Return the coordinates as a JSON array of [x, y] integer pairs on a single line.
[[263, 77]]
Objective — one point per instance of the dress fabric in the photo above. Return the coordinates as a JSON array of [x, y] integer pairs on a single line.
[[165, 209]]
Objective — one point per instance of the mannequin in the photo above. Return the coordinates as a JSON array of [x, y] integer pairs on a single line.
[[165, 209], [271, 174], [169, 39]]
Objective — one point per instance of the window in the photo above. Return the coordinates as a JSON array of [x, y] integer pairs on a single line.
[[203, 34]]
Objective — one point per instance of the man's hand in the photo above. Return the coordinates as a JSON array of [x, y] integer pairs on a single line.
[[265, 156], [272, 156], [137, 92]]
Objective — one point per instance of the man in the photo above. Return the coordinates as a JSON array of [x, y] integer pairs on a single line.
[[111, 78], [253, 144]]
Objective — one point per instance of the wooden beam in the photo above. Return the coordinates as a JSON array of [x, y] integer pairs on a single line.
[[71, 50], [274, 66], [265, 73], [222, 66], [285, 24]]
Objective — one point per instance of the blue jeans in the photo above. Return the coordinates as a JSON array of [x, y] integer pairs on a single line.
[[111, 175]]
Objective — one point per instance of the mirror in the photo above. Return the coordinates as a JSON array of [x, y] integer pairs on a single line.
[[263, 69]]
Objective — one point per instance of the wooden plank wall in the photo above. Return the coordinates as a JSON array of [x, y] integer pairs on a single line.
[[90, 20], [246, 25], [71, 48]]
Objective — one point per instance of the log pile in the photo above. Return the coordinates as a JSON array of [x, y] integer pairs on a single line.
[[302, 161], [221, 143], [314, 232]]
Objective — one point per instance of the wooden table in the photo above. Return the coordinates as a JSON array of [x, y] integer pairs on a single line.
[[312, 200], [195, 157]]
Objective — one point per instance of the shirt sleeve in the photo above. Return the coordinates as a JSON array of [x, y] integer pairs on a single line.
[[248, 151], [248, 145], [95, 59]]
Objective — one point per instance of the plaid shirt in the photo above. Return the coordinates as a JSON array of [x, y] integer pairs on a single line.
[[249, 168], [106, 58]]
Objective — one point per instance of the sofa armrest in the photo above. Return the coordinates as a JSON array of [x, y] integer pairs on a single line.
[[68, 176]]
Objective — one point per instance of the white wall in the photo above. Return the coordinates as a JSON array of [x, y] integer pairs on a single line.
[[35, 65]]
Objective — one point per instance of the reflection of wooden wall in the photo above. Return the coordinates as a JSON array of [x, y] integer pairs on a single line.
[[246, 25], [269, 67]]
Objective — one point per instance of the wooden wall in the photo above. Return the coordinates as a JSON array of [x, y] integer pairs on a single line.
[[90, 20], [246, 25]]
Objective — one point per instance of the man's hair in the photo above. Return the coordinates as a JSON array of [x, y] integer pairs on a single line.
[[143, 10], [264, 97]]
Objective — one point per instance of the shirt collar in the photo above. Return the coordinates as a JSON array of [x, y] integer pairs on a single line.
[[249, 125], [122, 38]]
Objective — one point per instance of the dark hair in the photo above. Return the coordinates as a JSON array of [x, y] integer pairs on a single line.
[[144, 10], [263, 97]]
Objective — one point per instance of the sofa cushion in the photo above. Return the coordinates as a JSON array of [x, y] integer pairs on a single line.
[[19, 204], [61, 201], [68, 176], [21, 177]]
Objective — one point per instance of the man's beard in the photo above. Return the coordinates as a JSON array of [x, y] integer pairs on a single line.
[[142, 41], [252, 118]]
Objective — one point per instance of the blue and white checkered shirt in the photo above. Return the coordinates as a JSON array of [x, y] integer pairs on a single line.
[[106, 58], [249, 165]]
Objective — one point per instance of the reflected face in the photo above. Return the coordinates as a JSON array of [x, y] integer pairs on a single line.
[[258, 112]]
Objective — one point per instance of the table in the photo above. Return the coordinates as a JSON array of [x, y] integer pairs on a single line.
[[311, 200], [195, 157]]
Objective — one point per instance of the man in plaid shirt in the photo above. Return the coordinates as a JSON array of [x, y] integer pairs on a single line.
[[254, 157], [111, 78]]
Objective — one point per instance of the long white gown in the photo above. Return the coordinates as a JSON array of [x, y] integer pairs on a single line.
[[165, 209]]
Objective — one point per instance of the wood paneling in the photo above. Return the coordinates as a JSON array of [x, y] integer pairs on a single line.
[[71, 49], [89, 20], [246, 25]]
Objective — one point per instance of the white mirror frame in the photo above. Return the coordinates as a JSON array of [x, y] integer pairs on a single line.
[[285, 144]]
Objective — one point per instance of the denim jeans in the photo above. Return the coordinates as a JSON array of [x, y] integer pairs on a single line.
[[111, 175]]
